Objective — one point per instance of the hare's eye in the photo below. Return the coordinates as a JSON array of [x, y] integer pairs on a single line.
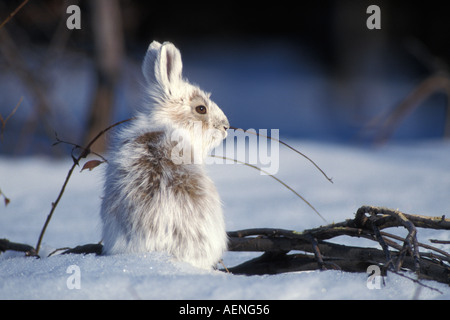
[[200, 109]]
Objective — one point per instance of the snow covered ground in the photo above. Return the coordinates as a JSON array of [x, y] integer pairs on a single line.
[[413, 177]]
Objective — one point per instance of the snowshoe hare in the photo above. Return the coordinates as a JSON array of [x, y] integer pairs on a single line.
[[157, 195]]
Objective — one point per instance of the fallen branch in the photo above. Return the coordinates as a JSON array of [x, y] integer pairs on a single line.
[[95, 248], [6, 245], [320, 254]]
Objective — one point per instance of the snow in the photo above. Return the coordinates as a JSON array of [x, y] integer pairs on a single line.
[[413, 177]]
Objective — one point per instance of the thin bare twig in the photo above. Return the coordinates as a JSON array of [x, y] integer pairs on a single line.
[[440, 241], [275, 178], [288, 146], [4, 121], [84, 154], [12, 14]]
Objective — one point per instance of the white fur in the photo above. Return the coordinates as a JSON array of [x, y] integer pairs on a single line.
[[151, 203]]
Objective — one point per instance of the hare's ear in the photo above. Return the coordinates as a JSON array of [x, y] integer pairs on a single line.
[[148, 66], [170, 65], [163, 65]]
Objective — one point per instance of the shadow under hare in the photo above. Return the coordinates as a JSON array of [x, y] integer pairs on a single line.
[[157, 195]]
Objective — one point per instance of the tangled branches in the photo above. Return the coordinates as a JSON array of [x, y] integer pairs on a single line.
[[321, 254]]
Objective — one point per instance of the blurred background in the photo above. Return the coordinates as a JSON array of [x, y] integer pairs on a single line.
[[311, 69]]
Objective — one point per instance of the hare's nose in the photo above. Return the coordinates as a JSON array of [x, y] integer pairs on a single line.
[[226, 125]]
